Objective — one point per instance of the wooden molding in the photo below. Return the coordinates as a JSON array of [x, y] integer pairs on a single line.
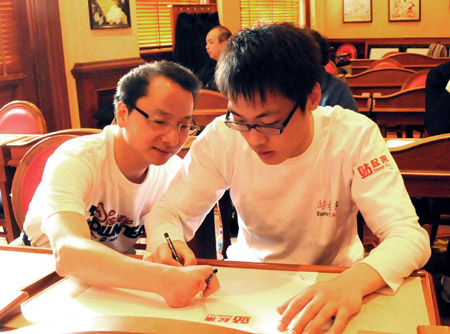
[[94, 77]]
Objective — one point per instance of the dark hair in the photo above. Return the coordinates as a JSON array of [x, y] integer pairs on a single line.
[[224, 33], [269, 58], [323, 45], [134, 84]]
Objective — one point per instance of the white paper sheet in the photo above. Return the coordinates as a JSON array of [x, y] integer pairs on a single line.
[[391, 143], [247, 300]]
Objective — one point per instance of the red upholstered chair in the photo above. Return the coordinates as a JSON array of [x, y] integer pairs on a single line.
[[22, 117], [29, 174], [417, 79], [347, 48], [385, 63], [331, 68]]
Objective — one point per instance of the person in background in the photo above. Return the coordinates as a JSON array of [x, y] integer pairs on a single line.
[[437, 121], [216, 39], [437, 100], [335, 91], [298, 175], [96, 190]]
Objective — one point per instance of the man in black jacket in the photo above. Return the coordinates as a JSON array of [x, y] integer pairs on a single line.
[[216, 39], [437, 121], [437, 98]]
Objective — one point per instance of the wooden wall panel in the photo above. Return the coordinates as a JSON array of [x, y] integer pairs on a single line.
[[96, 81]]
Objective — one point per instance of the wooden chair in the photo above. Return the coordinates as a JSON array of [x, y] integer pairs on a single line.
[[417, 79], [387, 62], [407, 58], [347, 48], [29, 174], [22, 117], [426, 172], [209, 105], [382, 80], [364, 103], [331, 68], [398, 110], [390, 53], [411, 61], [437, 50], [210, 99]]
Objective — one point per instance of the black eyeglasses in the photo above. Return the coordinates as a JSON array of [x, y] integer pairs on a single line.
[[164, 125], [265, 129]]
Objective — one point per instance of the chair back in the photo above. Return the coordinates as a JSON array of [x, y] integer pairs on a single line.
[[381, 80], [22, 117], [347, 48], [390, 53], [29, 174], [209, 105], [437, 50], [210, 99], [417, 79], [385, 63], [331, 68]]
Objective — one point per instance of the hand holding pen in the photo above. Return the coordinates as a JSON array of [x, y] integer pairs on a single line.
[[183, 279], [177, 258], [172, 249]]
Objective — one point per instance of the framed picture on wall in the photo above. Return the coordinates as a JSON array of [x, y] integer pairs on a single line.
[[355, 11], [104, 14], [404, 10]]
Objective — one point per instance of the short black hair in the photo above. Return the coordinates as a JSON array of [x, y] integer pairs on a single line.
[[224, 33], [276, 57], [134, 84], [323, 45]]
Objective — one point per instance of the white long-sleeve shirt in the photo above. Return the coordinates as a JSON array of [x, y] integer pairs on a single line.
[[304, 209]]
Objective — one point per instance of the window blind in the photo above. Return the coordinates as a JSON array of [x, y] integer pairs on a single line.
[[9, 41], [268, 11], [154, 23]]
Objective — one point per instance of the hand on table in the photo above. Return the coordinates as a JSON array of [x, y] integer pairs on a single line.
[[338, 298], [310, 310]]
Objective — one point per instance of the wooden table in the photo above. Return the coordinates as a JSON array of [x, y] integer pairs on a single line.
[[416, 296]]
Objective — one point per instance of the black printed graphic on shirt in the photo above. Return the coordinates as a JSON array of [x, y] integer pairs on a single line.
[[108, 225]]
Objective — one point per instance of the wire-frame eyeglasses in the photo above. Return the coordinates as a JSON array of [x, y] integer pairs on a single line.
[[164, 125]]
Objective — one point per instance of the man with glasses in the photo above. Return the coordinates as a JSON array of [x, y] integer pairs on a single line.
[[97, 190], [298, 175]]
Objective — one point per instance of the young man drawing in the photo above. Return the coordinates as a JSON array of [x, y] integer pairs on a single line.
[[96, 190], [298, 175]]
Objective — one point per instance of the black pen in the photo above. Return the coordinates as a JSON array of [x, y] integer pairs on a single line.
[[172, 248], [211, 276]]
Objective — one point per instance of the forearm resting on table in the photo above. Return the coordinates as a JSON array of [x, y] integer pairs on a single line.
[[363, 278], [93, 263]]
